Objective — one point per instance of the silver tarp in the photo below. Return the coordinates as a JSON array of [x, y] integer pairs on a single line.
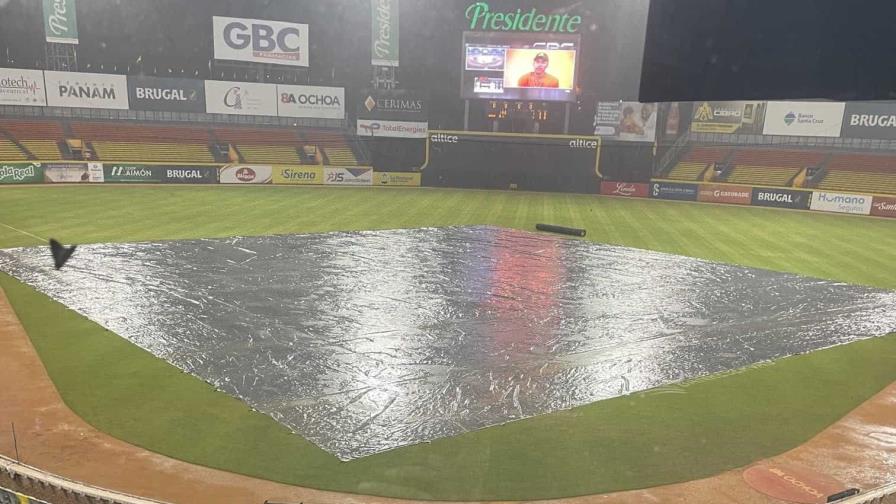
[[366, 341]]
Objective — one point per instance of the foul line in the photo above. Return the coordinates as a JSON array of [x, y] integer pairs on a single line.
[[23, 232]]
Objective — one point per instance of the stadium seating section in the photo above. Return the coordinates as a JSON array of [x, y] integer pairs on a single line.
[[770, 167], [127, 141], [696, 160], [860, 173]]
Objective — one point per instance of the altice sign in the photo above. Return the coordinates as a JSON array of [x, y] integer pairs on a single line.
[[481, 17]]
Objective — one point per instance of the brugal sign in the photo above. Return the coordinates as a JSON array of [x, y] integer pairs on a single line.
[[481, 17]]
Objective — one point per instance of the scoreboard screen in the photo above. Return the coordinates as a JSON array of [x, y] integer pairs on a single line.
[[520, 66]]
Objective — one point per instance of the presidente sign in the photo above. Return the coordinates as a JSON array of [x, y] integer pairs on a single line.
[[384, 45], [22, 87], [259, 41], [481, 17], [60, 22], [87, 90], [166, 95]]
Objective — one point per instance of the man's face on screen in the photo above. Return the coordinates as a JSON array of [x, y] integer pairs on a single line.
[[540, 65]]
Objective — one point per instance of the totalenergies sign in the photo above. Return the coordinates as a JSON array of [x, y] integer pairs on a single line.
[[481, 17]]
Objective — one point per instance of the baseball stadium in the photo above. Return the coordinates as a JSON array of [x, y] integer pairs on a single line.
[[384, 251]]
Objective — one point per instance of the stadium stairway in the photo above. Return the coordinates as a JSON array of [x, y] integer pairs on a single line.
[[770, 167], [695, 162]]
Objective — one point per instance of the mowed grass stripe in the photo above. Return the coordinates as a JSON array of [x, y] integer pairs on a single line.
[[637, 441]]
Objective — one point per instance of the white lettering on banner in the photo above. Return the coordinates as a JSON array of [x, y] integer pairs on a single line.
[[841, 203], [396, 129], [581, 143], [260, 41], [184, 174], [776, 197], [311, 101], [160, 94], [246, 174], [443, 138], [73, 89], [383, 42], [16, 173], [818, 119], [22, 87], [58, 21], [873, 121]]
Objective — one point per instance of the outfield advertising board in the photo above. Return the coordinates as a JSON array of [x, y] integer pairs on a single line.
[[874, 120], [398, 113], [22, 87], [781, 198], [240, 98], [260, 41], [354, 175], [856, 204], [627, 121], [625, 189], [68, 173], [727, 117], [132, 173], [246, 174], [722, 193], [21, 173], [298, 175], [189, 174], [674, 191], [883, 206], [393, 129], [816, 119], [311, 101], [166, 95], [88, 90], [403, 179]]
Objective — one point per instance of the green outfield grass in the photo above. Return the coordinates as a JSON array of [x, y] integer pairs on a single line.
[[638, 441]]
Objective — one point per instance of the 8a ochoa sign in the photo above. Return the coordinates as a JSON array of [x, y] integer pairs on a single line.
[[299, 175], [841, 203], [781, 198], [260, 41], [87, 90], [673, 191], [311, 101], [246, 174], [625, 189], [21, 173], [719, 193], [348, 176], [189, 174]]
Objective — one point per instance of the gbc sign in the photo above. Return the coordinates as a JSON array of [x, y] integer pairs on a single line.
[[259, 41]]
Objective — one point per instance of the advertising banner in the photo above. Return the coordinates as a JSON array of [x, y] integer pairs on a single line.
[[240, 98], [883, 206], [74, 89], [73, 173], [132, 173], [628, 121], [781, 198], [721, 193], [22, 87], [402, 179], [166, 95], [392, 129], [10, 497], [816, 119], [21, 173], [876, 120], [311, 101], [246, 174], [60, 21], [348, 176], [299, 175], [727, 117], [625, 189], [673, 191], [260, 41], [189, 174], [393, 105], [384, 43], [856, 204]]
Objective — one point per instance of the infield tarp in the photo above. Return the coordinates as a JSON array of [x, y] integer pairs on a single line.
[[367, 341]]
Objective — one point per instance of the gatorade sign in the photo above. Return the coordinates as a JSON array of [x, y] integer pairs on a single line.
[[259, 41]]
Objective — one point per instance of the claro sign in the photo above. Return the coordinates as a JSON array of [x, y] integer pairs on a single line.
[[260, 41]]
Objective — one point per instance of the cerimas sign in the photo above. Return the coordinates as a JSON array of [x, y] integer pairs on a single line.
[[259, 41]]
